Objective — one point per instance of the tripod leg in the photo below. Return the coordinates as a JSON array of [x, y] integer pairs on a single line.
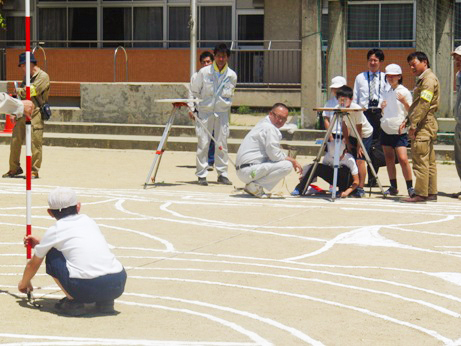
[[319, 154], [336, 157], [159, 151], [367, 158], [217, 144]]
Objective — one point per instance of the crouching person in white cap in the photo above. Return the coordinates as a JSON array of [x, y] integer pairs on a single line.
[[348, 172], [77, 257], [261, 163]]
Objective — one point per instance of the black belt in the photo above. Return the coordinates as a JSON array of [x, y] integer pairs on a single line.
[[245, 165]]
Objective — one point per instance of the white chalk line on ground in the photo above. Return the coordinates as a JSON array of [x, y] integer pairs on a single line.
[[257, 339], [293, 331], [62, 340], [169, 195], [335, 274], [325, 282], [369, 236], [430, 332]]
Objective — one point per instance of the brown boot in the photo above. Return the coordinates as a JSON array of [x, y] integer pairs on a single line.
[[415, 199], [432, 197], [11, 174]]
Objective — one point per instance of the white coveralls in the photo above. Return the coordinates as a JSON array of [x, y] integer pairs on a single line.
[[215, 89], [261, 150]]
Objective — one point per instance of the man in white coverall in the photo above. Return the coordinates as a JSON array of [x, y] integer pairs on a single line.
[[214, 85], [261, 163]]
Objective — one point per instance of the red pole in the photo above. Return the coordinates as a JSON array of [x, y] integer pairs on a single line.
[[28, 135]]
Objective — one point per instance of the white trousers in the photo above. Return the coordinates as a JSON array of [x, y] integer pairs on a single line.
[[219, 123], [266, 174]]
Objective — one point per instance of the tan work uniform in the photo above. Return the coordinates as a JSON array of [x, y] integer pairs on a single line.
[[41, 82], [422, 119]]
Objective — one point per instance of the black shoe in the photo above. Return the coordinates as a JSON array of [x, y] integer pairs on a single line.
[[106, 307], [224, 180], [70, 307], [11, 174], [202, 181]]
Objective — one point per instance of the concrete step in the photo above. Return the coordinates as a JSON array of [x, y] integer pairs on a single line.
[[181, 138]]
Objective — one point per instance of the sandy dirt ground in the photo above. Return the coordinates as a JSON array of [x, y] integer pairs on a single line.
[[213, 266]]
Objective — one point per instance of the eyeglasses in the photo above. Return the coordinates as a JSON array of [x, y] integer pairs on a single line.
[[281, 118]]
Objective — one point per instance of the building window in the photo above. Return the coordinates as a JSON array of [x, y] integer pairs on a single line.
[[82, 27], [148, 25], [116, 26], [64, 27], [52, 26], [16, 31], [250, 28], [380, 25], [178, 29], [215, 25]]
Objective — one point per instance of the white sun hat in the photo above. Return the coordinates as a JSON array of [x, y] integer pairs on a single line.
[[393, 69], [457, 51], [61, 198], [338, 82]]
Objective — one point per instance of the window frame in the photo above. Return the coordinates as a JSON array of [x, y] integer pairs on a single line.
[[379, 4]]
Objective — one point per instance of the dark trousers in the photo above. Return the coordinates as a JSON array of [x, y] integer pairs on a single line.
[[103, 288], [326, 172], [211, 152]]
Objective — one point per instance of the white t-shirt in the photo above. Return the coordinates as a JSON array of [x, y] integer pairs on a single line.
[[394, 113], [358, 118], [261, 144], [83, 245], [331, 103], [347, 160]]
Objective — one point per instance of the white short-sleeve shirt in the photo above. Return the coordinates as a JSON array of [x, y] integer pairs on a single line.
[[83, 246]]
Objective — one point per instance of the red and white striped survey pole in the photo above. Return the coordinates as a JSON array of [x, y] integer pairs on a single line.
[[28, 136]]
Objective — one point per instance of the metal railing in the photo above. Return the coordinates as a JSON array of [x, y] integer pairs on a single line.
[[45, 64], [115, 63]]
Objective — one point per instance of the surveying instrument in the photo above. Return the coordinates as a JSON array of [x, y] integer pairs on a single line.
[[340, 115], [177, 104]]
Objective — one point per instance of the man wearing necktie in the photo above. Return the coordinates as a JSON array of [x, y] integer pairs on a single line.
[[368, 88]]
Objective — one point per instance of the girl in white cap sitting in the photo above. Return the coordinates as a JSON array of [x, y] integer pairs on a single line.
[[396, 103]]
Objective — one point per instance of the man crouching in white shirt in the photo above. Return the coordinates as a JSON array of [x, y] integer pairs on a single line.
[[261, 163], [77, 257]]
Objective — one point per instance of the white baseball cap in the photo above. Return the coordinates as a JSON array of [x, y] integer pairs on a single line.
[[457, 51], [393, 69], [338, 82], [61, 198]]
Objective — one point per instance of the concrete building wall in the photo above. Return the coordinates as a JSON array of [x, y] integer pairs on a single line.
[[132, 103]]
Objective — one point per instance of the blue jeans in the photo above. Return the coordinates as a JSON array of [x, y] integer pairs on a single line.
[[101, 289]]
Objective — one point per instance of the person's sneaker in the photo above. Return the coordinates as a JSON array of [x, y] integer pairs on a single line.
[[415, 199], [11, 174], [106, 307], [32, 176], [224, 180], [295, 193], [210, 167], [255, 190], [359, 193], [202, 181], [70, 307], [432, 197], [392, 191], [411, 192]]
